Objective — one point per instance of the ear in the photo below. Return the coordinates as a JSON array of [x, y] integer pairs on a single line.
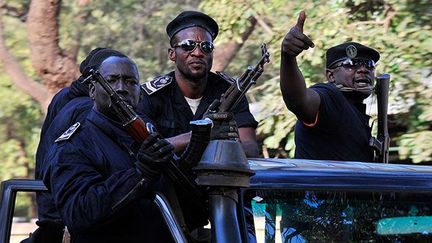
[[330, 75], [92, 92], [171, 54]]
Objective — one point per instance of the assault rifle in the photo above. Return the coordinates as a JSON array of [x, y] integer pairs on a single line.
[[381, 143], [139, 130], [239, 86]]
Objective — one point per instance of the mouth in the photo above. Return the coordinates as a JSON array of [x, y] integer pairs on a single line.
[[197, 63], [363, 82], [126, 100]]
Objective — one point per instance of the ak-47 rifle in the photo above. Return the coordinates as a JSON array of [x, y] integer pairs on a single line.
[[381, 143], [240, 86], [139, 130]]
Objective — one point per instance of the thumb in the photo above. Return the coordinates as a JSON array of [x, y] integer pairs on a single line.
[[300, 21]]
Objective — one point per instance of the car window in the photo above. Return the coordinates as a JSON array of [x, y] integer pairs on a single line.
[[17, 217], [24, 217], [323, 216]]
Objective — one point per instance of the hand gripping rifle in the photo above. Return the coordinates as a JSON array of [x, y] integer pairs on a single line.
[[381, 143], [139, 130], [241, 85]]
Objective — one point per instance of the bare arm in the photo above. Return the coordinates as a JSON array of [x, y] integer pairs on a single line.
[[303, 102], [248, 141], [247, 138], [180, 142]]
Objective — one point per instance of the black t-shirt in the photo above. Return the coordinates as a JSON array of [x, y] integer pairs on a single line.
[[164, 104], [342, 131]]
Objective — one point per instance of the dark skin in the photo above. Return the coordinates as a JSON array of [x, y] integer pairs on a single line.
[[122, 74], [192, 68], [191, 73], [305, 102], [359, 79]]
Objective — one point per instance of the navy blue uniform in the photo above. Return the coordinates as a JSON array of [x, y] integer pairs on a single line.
[[68, 106], [76, 89], [164, 104], [341, 133], [90, 173], [74, 111]]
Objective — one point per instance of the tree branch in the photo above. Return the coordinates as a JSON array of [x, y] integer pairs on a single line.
[[12, 67], [223, 56], [13, 11], [389, 14], [263, 24]]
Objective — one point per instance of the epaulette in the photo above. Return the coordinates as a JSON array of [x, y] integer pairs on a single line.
[[156, 84], [68, 133]]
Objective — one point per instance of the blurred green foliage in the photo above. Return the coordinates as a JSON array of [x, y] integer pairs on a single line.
[[400, 30], [20, 116]]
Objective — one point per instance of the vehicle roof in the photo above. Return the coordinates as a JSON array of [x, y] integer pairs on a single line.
[[339, 175]]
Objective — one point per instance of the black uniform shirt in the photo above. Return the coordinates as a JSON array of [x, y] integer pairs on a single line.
[[164, 104], [341, 133], [90, 172], [68, 106]]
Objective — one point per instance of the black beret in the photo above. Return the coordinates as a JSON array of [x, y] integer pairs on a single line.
[[189, 19], [96, 57], [351, 50]]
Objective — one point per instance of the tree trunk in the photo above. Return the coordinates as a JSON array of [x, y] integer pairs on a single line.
[[17, 74], [55, 67], [223, 56]]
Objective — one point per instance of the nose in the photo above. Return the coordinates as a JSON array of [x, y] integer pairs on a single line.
[[120, 87]]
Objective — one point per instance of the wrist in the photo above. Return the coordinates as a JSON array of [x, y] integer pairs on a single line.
[[146, 172], [180, 141], [287, 58]]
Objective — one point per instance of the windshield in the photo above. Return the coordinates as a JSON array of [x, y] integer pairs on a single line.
[[323, 216]]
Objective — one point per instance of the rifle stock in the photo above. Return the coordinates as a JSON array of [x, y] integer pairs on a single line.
[[381, 143]]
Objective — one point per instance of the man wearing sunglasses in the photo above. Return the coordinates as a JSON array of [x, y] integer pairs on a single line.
[[332, 123], [173, 100]]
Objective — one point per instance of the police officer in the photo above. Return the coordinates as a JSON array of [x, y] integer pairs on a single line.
[[173, 100], [100, 179], [69, 105], [332, 123]]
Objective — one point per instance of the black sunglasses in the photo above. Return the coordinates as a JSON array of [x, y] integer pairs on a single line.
[[190, 45], [355, 64]]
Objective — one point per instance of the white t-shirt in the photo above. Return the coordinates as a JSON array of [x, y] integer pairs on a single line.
[[193, 103]]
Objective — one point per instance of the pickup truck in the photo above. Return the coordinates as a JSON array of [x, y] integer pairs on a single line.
[[308, 201]]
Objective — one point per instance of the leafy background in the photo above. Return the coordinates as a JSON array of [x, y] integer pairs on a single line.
[[399, 30]]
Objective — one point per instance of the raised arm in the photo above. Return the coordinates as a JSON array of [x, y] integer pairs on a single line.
[[302, 101]]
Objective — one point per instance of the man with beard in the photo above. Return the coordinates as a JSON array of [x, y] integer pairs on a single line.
[[332, 124], [102, 181], [173, 100]]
